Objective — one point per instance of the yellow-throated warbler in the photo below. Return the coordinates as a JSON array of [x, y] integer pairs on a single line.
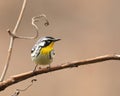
[[42, 52]]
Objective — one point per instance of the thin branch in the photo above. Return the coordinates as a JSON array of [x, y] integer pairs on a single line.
[[20, 77], [17, 92], [34, 20], [14, 36], [20, 17], [12, 42]]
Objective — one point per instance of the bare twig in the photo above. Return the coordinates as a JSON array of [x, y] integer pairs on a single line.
[[12, 42], [34, 20], [20, 77], [17, 92], [14, 36]]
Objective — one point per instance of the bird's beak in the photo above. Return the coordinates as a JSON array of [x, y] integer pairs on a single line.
[[56, 40]]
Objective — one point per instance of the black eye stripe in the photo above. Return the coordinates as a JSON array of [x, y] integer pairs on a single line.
[[49, 37], [47, 42]]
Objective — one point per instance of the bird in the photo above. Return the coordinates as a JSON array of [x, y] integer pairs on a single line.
[[42, 52]]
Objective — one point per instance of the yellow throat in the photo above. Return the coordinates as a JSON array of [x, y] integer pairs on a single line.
[[47, 49]]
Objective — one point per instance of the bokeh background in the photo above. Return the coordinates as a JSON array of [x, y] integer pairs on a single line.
[[88, 28]]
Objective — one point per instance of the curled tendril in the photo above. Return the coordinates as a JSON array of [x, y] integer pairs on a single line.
[[37, 18], [17, 92], [34, 20]]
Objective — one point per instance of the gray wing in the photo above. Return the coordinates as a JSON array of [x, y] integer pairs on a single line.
[[36, 50], [37, 47]]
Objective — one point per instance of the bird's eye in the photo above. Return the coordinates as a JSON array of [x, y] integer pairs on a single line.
[[48, 42]]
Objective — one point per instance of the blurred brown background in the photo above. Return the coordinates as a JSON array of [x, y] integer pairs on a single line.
[[88, 28]]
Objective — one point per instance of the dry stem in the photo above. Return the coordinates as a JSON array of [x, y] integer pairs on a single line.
[[34, 20], [14, 36], [12, 42], [23, 76]]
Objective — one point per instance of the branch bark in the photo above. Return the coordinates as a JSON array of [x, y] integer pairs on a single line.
[[23, 76]]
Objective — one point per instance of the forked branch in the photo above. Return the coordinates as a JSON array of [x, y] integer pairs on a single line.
[[23, 76], [13, 36], [35, 19]]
